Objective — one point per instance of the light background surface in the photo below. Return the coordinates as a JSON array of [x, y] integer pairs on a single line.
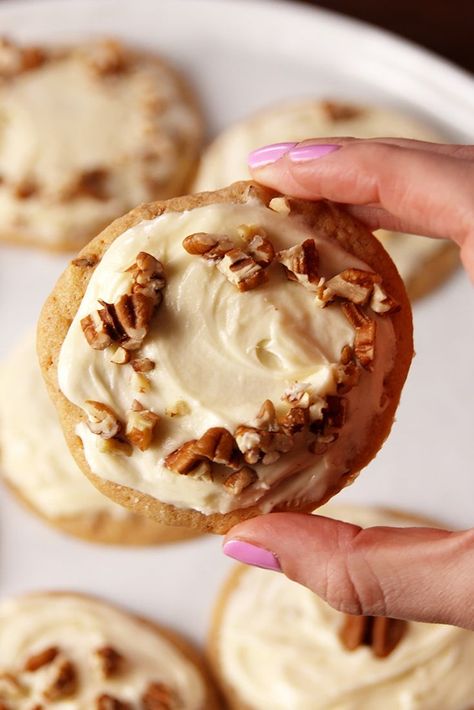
[[242, 55]]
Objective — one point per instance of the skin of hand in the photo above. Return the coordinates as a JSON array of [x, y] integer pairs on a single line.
[[420, 574]]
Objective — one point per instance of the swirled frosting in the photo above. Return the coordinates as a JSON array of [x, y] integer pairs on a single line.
[[278, 647], [79, 626], [222, 352]]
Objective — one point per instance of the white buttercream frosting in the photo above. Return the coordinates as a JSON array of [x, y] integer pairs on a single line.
[[225, 160], [63, 119], [278, 647], [222, 352], [33, 454], [78, 626]]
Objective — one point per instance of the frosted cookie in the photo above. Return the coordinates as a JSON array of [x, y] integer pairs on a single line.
[[275, 644], [37, 467], [64, 650], [422, 262], [225, 354], [87, 133]]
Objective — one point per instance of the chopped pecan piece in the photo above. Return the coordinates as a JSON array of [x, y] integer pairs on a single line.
[[143, 364], [335, 414], [102, 419], [281, 205], [91, 183], [295, 420], [159, 696], [347, 376], [353, 285], [115, 447], [258, 445], [338, 111], [110, 661], [381, 302], [211, 246], [141, 425], [149, 277], [40, 659], [64, 683], [86, 262], [304, 395], [242, 270], [266, 417], [185, 460], [218, 445], [140, 382], [380, 633], [239, 480], [364, 341], [179, 409], [301, 263], [120, 356], [259, 247], [15, 59], [134, 313], [106, 57], [108, 702]]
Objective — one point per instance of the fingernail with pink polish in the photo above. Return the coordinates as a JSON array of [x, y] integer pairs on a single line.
[[251, 555], [268, 154], [310, 151]]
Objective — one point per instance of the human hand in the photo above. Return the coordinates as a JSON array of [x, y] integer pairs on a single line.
[[422, 574]]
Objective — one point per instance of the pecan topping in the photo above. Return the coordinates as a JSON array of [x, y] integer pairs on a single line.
[[108, 702], [143, 364], [338, 111], [117, 447], [159, 696], [186, 461], [102, 419], [127, 322], [242, 270], [90, 183], [15, 59], [381, 302], [86, 262], [110, 661], [218, 445], [364, 342], [240, 480], [140, 382], [281, 205], [120, 356], [179, 409], [141, 425], [106, 57], [296, 419], [259, 247], [64, 683], [266, 417], [210, 246], [301, 263], [303, 395], [335, 414], [353, 285], [260, 446], [43, 658], [380, 633], [26, 188]]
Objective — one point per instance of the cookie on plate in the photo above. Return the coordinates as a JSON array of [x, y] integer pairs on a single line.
[[69, 650], [422, 262], [225, 354], [88, 132], [38, 468], [273, 643]]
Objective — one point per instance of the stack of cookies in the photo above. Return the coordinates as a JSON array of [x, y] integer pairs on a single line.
[[209, 357]]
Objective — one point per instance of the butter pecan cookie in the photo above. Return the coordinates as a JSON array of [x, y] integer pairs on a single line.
[[227, 354], [86, 133], [70, 650], [422, 262], [37, 467], [267, 627]]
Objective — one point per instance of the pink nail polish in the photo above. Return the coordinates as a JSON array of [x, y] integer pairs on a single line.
[[251, 555], [310, 151], [268, 154]]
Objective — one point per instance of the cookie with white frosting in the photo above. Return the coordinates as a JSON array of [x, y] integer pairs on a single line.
[[65, 650], [225, 354], [87, 133], [38, 468], [422, 262], [273, 643]]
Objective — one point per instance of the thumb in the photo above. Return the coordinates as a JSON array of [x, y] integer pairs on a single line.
[[422, 574]]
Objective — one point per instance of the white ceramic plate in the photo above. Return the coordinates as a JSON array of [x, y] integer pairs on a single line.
[[242, 56]]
